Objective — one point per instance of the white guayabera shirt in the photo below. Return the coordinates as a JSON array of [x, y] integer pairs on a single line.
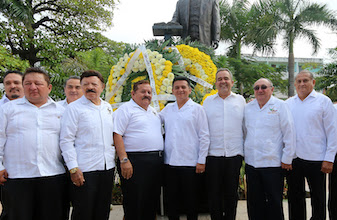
[[270, 137], [141, 129], [225, 121], [316, 127], [86, 136], [29, 139], [186, 134]]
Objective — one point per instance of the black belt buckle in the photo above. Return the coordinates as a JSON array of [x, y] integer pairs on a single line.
[[160, 153]]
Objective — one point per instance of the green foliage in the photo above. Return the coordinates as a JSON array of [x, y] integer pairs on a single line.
[[10, 62], [50, 31], [99, 59], [327, 80]]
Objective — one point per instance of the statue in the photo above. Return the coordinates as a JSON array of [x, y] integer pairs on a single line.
[[200, 20]]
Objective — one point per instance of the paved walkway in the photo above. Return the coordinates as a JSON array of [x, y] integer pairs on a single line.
[[117, 212]]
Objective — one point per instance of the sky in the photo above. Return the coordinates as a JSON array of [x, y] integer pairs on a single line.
[[133, 20]]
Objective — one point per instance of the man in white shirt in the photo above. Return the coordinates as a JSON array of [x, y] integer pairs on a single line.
[[72, 90], [186, 147], [87, 148], [316, 146], [13, 86], [31, 164], [139, 143], [13, 90], [224, 112], [269, 147]]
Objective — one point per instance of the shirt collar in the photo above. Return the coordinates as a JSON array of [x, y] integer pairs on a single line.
[[217, 95], [84, 100], [271, 101], [313, 94], [134, 104]]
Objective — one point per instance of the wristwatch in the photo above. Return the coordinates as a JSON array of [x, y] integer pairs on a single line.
[[73, 170], [124, 160]]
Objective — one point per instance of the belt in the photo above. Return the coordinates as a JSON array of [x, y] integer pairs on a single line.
[[159, 153]]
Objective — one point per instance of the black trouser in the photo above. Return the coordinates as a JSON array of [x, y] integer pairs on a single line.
[[222, 175], [141, 192], [92, 200], [181, 188], [264, 193], [311, 170], [332, 204], [3, 196], [36, 198]]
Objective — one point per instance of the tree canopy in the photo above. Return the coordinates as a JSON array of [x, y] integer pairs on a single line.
[[52, 30], [292, 19]]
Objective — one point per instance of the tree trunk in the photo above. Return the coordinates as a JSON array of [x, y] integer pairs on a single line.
[[291, 67]]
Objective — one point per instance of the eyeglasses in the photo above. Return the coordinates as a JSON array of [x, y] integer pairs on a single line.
[[263, 87]]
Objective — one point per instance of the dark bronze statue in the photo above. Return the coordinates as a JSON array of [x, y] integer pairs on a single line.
[[200, 20]]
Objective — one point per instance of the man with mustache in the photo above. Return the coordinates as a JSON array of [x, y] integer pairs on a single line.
[[13, 90], [13, 86], [224, 112], [72, 90], [186, 148], [316, 146], [87, 148], [139, 144], [31, 165], [269, 147]]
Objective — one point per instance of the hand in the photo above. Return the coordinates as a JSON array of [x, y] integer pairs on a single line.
[[77, 178], [286, 166], [200, 168], [327, 167], [127, 170], [3, 176]]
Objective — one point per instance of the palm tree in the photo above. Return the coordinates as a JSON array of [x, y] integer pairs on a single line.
[[237, 24], [292, 19], [17, 10]]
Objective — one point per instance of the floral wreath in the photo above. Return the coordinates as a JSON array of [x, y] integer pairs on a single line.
[[192, 63]]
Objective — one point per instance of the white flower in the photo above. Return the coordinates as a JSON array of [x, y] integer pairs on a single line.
[[162, 61], [158, 72], [169, 89], [155, 53], [162, 92], [166, 82], [204, 77], [118, 98], [155, 61], [158, 66], [142, 68], [163, 88], [170, 76], [115, 74], [120, 90], [159, 56], [135, 69], [151, 57], [114, 81], [187, 61]]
